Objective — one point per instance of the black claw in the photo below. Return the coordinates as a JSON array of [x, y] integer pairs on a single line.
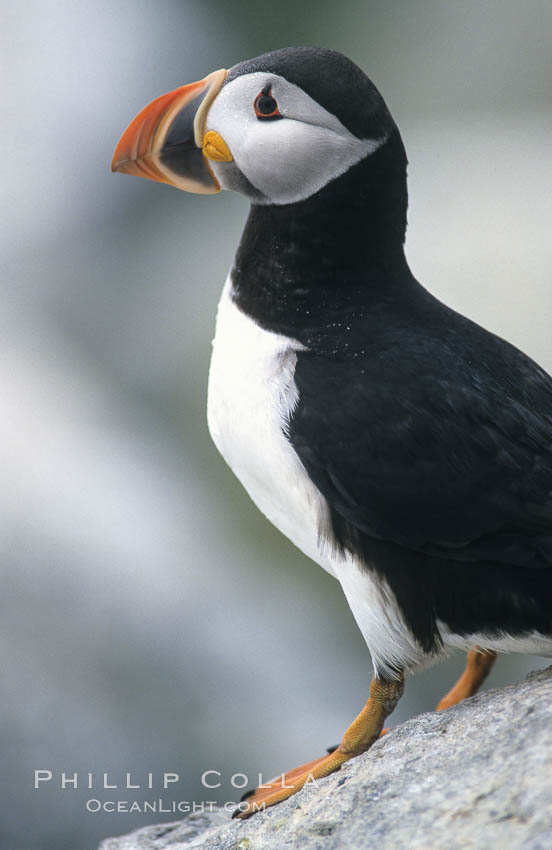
[[331, 750], [247, 794]]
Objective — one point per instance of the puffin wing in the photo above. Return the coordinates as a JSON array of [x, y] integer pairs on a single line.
[[441, 444]]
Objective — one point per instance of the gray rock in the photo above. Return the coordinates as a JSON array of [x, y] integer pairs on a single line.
[[476, 776]]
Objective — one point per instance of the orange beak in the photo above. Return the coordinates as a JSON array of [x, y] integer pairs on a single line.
[[166, 140]]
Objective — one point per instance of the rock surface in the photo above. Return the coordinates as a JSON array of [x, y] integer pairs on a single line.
[[476, 776]]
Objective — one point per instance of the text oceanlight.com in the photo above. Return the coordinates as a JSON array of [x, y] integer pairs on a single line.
[[164, 807]]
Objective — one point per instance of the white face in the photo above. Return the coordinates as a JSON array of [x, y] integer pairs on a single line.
[[284, 160]]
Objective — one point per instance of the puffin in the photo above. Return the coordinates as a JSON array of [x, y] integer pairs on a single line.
[[401, 446]]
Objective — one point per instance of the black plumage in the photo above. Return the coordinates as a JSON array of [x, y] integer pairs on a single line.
[[429, 437]]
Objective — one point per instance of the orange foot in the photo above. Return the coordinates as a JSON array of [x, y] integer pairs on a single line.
[[360, 735], [288, 783]]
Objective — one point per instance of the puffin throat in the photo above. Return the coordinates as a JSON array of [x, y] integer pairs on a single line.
[[349, 236]]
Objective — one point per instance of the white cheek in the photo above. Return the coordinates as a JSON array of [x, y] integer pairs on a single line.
[[290, 161]]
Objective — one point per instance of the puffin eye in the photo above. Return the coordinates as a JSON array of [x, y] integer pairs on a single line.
[[266, 106]]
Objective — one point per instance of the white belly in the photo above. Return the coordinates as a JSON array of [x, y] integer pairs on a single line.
[[251, 396]]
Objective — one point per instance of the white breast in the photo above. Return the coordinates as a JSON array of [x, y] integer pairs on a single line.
[[251, 396]]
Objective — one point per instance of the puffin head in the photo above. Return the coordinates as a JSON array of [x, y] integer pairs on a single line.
[[277, 128]]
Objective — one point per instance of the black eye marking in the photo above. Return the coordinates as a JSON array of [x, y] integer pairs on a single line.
[[266, 106]]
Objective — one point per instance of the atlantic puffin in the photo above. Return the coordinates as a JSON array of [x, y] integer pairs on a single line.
[[398, 444]]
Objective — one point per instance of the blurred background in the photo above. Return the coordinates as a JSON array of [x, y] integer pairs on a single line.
[[151, 619]]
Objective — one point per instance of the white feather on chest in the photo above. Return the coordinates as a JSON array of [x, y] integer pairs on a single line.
[[251, 396]]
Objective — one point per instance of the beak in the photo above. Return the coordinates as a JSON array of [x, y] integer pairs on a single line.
[[167, 141]]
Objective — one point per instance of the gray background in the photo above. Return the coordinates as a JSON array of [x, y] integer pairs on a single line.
[[151, 619]]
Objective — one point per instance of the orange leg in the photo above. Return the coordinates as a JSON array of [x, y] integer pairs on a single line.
[[360, 735], [478, 667]]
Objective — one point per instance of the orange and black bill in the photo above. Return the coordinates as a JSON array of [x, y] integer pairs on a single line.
[[166, 140]]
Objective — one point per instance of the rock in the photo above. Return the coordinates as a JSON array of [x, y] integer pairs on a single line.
[[476, 776]]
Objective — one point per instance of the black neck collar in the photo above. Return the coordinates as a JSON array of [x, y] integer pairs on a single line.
[[297, 263]]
